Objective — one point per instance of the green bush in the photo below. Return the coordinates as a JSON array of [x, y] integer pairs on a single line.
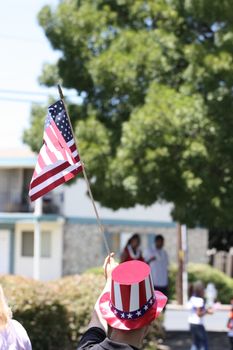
[[206, 274], [54, 314]]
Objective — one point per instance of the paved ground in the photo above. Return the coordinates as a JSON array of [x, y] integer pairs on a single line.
[[177, 329], [176, 320], [182, 341]]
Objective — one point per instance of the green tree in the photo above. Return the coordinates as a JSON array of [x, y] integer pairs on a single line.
[[156, 82]]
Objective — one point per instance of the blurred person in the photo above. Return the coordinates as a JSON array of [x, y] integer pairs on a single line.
[[211, 295], [132, 249], [12, 333], [125, 308], [230, 326], [156, 256], [198, 310]]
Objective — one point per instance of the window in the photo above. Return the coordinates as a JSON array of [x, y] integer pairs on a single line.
[[27, 243], [27, 248], [45, 248]]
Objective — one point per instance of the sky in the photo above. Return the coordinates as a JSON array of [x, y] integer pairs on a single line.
[[24, 49]]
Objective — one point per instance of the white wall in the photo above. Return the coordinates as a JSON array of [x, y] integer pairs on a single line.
[[4, 251], [50, 268], [77, 203]]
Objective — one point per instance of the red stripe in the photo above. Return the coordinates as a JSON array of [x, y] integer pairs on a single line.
[[125, 296], [49, 173], [112, 294], [77, 159], [73, 147], [142, 293], [56, 183]]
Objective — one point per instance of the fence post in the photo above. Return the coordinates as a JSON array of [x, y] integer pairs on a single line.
[[229, 263]]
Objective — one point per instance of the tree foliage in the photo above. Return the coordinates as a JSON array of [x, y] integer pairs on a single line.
[[156, 82]]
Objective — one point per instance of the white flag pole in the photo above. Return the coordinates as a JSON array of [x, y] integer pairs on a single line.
[[101, 228], [37, 238]]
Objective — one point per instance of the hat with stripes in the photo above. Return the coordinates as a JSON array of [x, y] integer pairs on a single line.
[[132, 302]]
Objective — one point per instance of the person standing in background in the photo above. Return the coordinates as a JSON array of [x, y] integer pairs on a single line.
[[12, 333], [132, 249], [198, 310], [157, 258]]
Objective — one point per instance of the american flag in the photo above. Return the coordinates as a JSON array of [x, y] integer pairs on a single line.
[[58, 160]]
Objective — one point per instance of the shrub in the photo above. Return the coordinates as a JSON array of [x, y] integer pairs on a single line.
[[54, 314], [206, 274]]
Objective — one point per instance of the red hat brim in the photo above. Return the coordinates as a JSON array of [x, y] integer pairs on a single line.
[[147, 318]]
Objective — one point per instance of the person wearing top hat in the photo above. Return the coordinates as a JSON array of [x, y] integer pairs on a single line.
[[125, 308]]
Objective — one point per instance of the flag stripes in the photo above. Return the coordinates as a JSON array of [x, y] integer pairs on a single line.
[[58, 160]]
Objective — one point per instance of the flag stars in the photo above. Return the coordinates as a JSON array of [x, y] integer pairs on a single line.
[[122, 315], [129, 315]]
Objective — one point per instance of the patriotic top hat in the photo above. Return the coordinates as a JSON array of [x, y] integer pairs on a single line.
[[132, 302]]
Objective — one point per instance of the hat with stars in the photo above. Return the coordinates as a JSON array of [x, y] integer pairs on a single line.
[[132, 302]]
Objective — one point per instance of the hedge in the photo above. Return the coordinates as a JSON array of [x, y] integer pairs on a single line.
[[206, 274], [54, 314]]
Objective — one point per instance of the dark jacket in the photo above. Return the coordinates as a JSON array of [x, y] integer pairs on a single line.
[[95, 339]]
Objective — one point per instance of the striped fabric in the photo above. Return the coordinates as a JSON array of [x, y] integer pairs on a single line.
[[130, 298], [58, 160]]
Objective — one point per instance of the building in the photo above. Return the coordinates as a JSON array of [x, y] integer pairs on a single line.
[[17, 220], [70, 238]]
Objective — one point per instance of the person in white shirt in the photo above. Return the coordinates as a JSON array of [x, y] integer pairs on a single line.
[[196, 305], [157, 258]]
